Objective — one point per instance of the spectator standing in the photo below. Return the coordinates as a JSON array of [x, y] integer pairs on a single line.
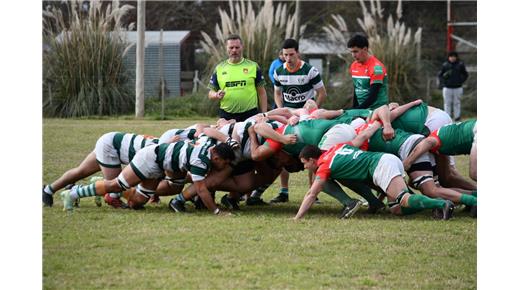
[[451, 77], [237, 83]]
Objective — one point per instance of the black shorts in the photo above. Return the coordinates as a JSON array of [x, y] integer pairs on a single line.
[[239, 117]]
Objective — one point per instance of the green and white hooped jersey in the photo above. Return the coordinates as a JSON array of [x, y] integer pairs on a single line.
[[116, 148], [297, 87], [185, 134], [183, 156], [243, 135]]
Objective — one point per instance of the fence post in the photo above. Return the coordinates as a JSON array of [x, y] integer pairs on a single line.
[[161, 72]]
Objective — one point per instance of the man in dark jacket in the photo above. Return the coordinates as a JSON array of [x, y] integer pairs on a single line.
[[452, 75]]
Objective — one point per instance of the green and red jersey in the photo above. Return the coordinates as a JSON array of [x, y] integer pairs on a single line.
[[365, 74], [454, 139], [345, 161], [413, 120], [309, 132]]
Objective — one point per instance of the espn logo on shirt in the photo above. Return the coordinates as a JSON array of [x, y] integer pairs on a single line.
[[233, 84]]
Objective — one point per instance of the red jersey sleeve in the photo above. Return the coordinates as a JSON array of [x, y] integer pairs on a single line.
[[377, 71], [323, 171], [435, 134], [275, 145]]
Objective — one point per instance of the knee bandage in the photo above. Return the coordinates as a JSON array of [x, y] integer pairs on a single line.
[[145, 192], [175, 182], [122, 182], [421, 180], [398, 199]]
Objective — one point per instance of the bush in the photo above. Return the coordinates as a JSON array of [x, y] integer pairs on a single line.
[[83, 71], [185, 106]]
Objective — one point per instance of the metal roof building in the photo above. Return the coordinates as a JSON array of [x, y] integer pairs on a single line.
[[171, 61]]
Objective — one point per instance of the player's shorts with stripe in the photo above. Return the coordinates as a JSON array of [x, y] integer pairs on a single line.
[[388, 167], [106, 154], [436, 119], [144, 164], [407, 147]]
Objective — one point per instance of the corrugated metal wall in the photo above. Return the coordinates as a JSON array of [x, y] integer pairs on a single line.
[[171, 68]]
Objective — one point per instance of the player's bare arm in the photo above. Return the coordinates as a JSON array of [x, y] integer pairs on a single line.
[[310, 197], [424, 146]]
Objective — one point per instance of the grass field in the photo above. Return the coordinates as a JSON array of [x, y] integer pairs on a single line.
[[257, 248]]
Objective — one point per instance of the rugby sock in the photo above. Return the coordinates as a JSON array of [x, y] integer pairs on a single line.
[[419, 201], [408, 210], [89, 190], [85, 191], [333, 189], [284, 191], [468, 199], [48, 189]]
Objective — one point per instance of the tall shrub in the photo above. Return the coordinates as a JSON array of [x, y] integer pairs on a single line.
[[83, 65], [262, 31], [391, 42]]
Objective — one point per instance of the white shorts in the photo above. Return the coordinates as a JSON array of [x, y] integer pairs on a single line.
[[406, 148], [358, 122], [337, 134], [144, 164], [436, 119], [389, 166], [106, 154]]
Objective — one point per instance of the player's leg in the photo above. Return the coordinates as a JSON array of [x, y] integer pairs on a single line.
[[112, 198], [283, 196], [374, 204], [143, 192], [86, 168], [423, 180], [126, 179], [449, 176], [388, 175]]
